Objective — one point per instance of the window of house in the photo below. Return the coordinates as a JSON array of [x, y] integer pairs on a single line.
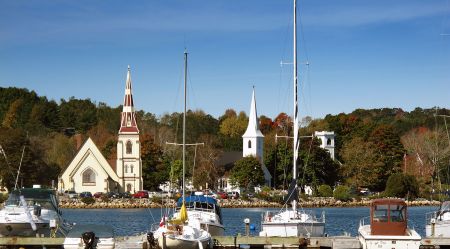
[[249, 144], [131, 168], [126, 168], [129, 147], [89, 177], [128, 187], [329, 141]]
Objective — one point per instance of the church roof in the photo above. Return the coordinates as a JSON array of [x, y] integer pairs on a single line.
[[89, 148], [128, 120], [253, 124]]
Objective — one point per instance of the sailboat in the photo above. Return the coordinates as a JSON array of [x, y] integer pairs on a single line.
[[180, 231], [294, 222]]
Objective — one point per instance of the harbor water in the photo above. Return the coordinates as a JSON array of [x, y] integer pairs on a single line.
[[128, 222]]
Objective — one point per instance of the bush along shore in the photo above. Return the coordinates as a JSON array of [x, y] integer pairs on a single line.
[[224, 203]]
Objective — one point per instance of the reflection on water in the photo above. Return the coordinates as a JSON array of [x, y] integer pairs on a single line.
[[133, 221]]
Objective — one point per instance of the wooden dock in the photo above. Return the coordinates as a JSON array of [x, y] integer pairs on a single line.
[[224, 242]]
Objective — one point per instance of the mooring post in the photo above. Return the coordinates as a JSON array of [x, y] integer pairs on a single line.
[[247, 226]]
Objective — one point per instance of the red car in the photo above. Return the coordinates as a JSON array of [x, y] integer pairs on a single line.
[[222, 195], [140, 194]]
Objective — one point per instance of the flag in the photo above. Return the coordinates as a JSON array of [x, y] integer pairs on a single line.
[[163, 221]]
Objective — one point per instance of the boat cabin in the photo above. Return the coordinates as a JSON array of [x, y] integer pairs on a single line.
[[388, 217], [201, 203]]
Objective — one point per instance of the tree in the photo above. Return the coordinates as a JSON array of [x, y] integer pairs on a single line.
[[403, 186], [342, 193], [154, 172], [247, 172], [360, 163], [325, 191], [11, 119]]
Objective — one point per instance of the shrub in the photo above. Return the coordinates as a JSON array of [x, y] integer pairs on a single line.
[[87, 200], [342, 193], [325, 191], [3, 197], [401, 185], [157, 199], [104, 198]]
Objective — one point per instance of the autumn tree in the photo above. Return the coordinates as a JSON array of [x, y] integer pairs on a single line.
[[154, 171]]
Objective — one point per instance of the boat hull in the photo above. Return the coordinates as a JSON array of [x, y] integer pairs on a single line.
[[411, 240], [175, 242], [293, 229], [24, 230], [438, 229], [213, 229]]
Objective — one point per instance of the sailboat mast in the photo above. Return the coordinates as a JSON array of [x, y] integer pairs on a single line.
[[296, 142], [184, 123]]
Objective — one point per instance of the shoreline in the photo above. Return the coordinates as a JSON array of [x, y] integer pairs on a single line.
[[315, 202]]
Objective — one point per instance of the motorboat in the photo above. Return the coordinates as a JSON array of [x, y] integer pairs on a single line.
[[296, 221], [387, 227], [32, 212], [206, 210], [438, 222]]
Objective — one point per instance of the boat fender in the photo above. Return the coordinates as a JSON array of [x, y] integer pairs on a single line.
[[88, 240], [252, 227]]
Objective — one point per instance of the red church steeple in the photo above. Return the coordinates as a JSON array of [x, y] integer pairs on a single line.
[[128, 121]]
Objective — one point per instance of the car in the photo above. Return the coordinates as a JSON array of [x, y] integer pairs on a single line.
[[71, 194], [98, 194], [222, 195], [125, 195], [141, 194], [233, 194], [85, 194], [112, 195]]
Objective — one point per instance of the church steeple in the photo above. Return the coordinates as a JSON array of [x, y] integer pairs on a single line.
[[253, 126], [128, 120]]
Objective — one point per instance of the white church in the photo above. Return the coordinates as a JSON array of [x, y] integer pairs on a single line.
[[90, 171]]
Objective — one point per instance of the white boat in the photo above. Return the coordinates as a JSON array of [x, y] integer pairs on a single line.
[[206, 210], [32, 212], [90, 236], [438, 222], [180, 231], [295, 222], [388, 227]]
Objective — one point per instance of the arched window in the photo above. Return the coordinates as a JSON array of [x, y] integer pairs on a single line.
[[329, 141], [129, 147], [131, 168], [126, 168], [128, 187], [249, 144], [89, 177]]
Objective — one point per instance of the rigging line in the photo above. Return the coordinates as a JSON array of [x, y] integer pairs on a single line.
[[437, 151]]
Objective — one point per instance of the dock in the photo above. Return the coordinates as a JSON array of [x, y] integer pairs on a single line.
[[224, 242]]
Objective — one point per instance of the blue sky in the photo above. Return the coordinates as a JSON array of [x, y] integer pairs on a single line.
[[361, 54]]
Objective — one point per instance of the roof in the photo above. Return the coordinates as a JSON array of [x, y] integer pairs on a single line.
[[253, 126], [197, 198], [388, 201], [228, 158]]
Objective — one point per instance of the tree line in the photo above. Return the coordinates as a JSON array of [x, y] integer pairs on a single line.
[[371, 145]]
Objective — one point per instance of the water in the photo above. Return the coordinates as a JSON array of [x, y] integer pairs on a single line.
[[132, 221]]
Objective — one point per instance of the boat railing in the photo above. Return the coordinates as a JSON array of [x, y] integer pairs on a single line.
[[364, 221]]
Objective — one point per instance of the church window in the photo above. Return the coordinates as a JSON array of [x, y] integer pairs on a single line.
[[89, 177], [128, 187], [329, 141], [131, 168], [129, 147], [249, 144], [126, 168]]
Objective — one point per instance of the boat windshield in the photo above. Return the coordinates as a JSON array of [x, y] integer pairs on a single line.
[[398, 213], [39, 197], [380, 213], [445, 206]]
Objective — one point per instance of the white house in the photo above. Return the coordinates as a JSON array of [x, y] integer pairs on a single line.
[[326, 141], [90, 171]]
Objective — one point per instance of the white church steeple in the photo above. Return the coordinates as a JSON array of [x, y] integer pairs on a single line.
[[253, 139], [129, 164]]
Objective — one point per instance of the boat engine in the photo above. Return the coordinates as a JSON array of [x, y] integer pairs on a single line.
[[88, 240], [151, 240], [37, 210]]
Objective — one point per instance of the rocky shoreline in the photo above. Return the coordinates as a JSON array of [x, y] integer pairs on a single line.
[[253, 203]]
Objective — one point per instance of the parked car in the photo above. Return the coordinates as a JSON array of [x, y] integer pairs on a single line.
[[98, 194], [71, 194], [233, 194], [85, 194], [112, 195], [125, 195], [140, 194], [222, 195]]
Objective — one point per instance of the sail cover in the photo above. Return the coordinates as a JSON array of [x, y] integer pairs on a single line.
[[292, 192]]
